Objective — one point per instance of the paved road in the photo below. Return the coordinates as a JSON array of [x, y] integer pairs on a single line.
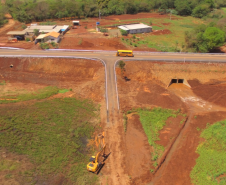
[[109, 59]]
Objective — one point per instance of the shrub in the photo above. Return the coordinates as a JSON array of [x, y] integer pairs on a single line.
[[44, 45], [124, 32], [53, 44], [134, 36], [24, 26], [27, 39], [150, 22], [103, 30]]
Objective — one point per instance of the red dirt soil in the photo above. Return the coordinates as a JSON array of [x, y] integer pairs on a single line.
[[177, 171], [213, 91], [84, 77], [146, 87], [91, 43], [160, 32]]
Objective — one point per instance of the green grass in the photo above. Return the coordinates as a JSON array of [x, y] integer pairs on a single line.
[[8, 165], [156, 28], [53, 134], [167, 42], [153, 121], [224, 10], [210, 168], [41, 94], [63, 90]]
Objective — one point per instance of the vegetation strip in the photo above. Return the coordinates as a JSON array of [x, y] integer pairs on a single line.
[[210, 168], [41, 94], [153, 120]]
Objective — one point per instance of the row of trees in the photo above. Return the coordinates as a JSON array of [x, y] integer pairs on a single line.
[[28, 10]]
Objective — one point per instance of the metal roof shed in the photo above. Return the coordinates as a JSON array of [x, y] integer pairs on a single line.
[[16, 32], [136, 28]]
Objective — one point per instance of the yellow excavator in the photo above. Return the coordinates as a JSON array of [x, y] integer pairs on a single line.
[[95, 163]]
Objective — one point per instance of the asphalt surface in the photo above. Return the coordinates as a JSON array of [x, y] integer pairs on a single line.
[[109, 58]]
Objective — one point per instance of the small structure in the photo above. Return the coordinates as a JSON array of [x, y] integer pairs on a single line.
[[12, 39], [75, 23], [49, 37], [136, 28], [20, 35]]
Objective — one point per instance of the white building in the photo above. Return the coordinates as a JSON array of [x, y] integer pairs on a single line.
[[136, 28]]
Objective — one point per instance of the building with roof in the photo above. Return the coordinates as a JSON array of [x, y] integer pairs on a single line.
[[47, 29], [49, 37], [52, 37], [43, 29], [136, 28]]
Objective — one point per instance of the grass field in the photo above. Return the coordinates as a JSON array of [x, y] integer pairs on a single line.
[[153, 121], [165, 42], [53, 134], [210, 168]]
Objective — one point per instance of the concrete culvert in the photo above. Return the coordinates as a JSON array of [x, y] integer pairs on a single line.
[[11, 66], [179, 80]]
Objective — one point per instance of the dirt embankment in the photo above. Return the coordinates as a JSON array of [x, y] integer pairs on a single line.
[[84, 77], [213, 91], [146, 86]]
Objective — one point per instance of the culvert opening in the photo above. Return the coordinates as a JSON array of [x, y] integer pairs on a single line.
[[173, 81], [11, 66], [179, 80]]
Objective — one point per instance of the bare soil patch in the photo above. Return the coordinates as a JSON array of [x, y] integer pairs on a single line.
[[84, 77], [146, 86], [213, 91], [160, 32], [91, 43]]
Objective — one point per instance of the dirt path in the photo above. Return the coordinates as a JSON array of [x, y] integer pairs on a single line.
[[8, 25]]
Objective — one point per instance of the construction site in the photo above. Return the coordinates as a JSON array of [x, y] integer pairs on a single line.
[[195, 90], [101, 108]]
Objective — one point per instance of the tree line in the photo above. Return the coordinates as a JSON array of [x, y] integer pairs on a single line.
[[38, 10]]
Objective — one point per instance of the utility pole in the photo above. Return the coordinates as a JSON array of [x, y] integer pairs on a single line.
[[99, 14], [170, 14]]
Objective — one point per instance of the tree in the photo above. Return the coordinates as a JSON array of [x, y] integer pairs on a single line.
[[213, 37], [201, 11], [183, 7], [122, 65], [36, 32]]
